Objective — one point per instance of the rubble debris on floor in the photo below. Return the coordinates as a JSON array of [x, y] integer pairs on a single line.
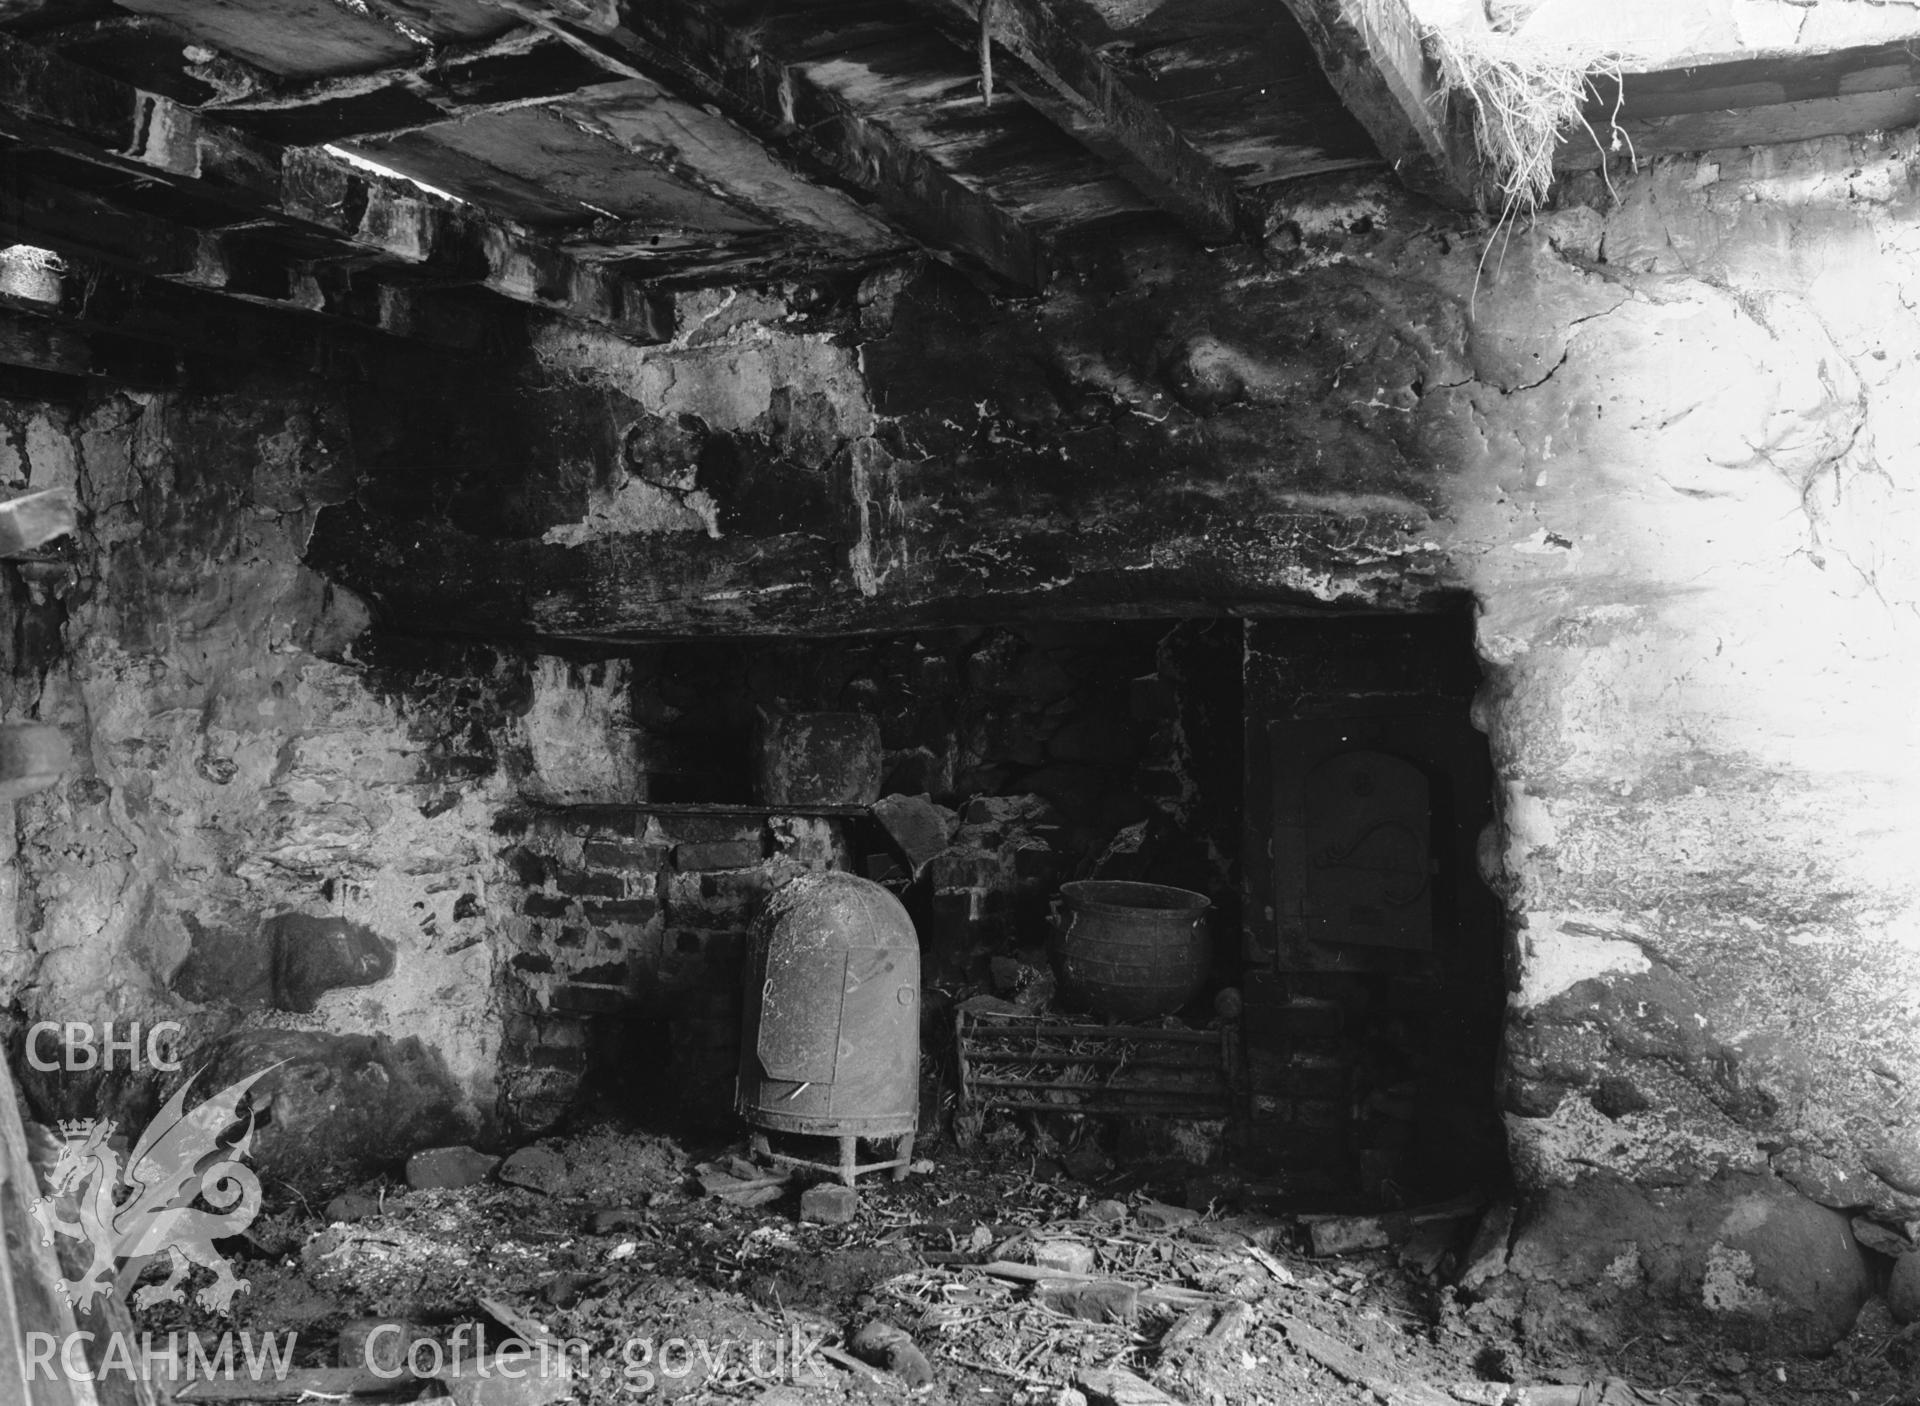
[[627, 1270]]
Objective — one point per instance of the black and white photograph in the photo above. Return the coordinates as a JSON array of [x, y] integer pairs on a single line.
[[1023, 702]]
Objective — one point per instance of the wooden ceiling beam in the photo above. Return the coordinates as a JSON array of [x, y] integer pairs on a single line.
[[1382, 73], [48, 214], [119, 326], [49, 103], [1079, 92], [47, 345], [683, 45]]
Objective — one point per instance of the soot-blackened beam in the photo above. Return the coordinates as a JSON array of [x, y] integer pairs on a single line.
[[239, 264], [683, 45], [150, 333], [1077, 90], [1377, 65], [49, 103]]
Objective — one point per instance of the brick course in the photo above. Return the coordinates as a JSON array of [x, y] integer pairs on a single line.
[[638, 917]]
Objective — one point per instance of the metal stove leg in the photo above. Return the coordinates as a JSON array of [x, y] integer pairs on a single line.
[[904, 1151], [849, 1159]]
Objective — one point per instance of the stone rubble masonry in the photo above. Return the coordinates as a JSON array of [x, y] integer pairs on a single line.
[[642, 916], [271, 805]]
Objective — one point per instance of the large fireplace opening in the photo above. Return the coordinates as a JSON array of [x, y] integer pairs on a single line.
[[1314, 778]]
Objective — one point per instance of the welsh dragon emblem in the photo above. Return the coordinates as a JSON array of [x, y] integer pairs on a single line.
[[130, 1217]]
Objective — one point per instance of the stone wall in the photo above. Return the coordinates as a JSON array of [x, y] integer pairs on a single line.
[[1694, 547], [1694, 544], [1662, 436], [279, 830], [1663, 439]]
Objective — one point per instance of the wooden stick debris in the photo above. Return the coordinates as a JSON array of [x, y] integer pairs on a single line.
[[1340, 1235], [338, 1384], [1347, 1364], [1007, 1372], [1169, 1294], [1280, 1273]]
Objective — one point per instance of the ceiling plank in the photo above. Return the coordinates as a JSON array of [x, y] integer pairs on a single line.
[[925, 92], [1081, 94], [524, 67], [152, 54], [709, 152], [1242, 83], [580, 168], [292, 37], [48, 102], [778, 101], [1382, 73]]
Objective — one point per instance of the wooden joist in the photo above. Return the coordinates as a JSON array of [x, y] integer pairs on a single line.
[[684, 45], [394, 219], [89, 228], [1061, 77], [47, 103], [38, 210], [1373, 56]]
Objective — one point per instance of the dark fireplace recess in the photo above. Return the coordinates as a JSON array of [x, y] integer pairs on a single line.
[[1315, 778]]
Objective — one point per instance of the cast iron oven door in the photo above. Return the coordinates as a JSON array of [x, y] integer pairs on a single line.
[[1369, 867], [802, 1037]]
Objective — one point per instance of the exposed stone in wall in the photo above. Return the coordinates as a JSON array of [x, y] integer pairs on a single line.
[[264, 829], [1743, 1252]]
